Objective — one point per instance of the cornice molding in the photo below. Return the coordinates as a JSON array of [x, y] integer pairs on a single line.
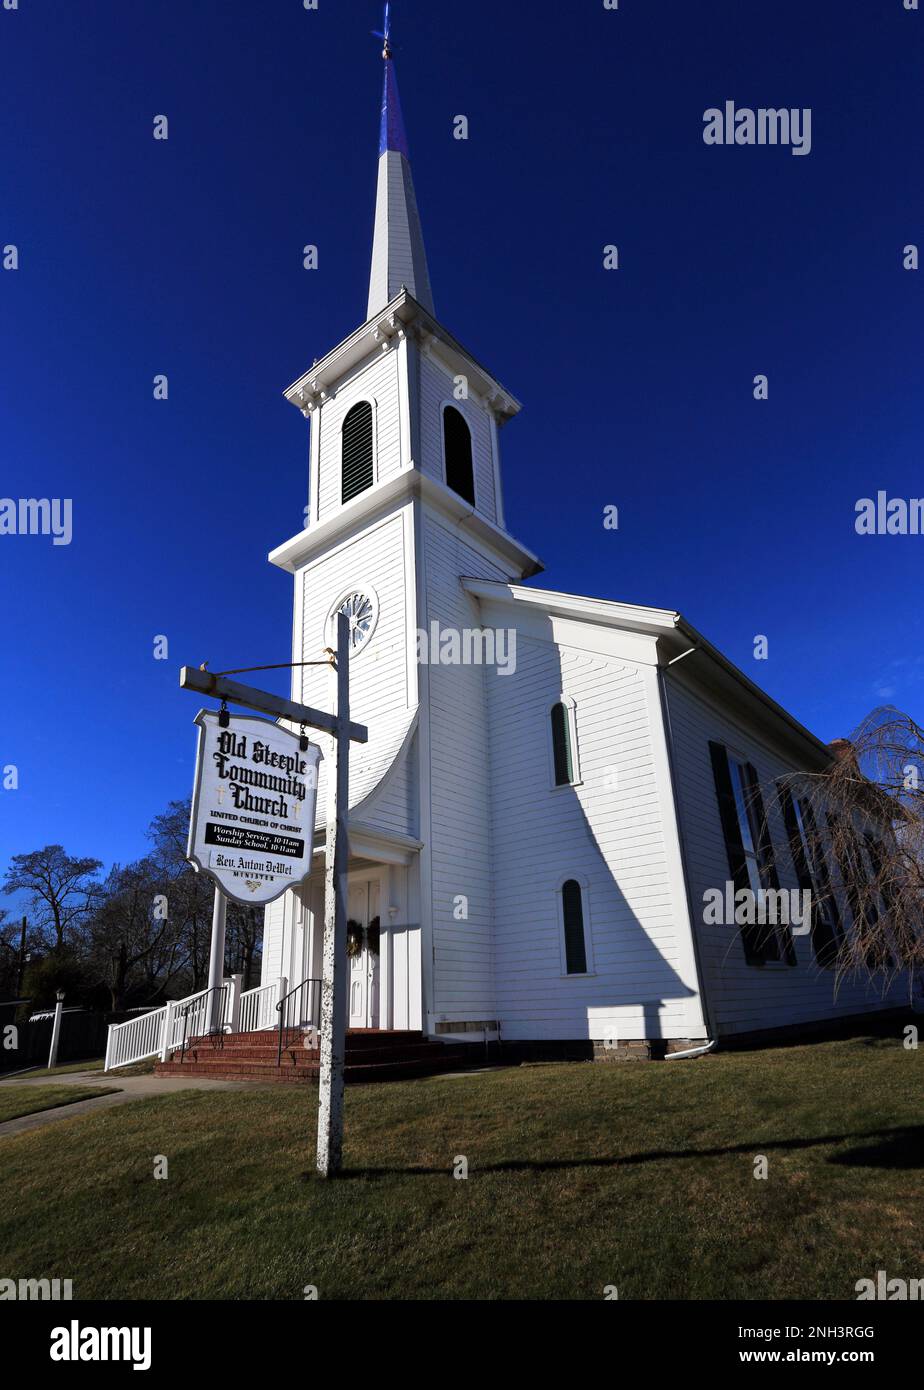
[[409, 484], [402, 318]]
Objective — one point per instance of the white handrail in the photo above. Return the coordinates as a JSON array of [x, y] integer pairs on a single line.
[[258, 1008], [157, 1033], [135, 1040]]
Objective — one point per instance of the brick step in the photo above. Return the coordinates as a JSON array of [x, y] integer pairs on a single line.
[[302, 1056], [308, 1074], [268, 1040], [371, 1055]]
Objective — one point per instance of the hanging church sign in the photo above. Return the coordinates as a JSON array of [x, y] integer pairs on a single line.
[[252, 822]]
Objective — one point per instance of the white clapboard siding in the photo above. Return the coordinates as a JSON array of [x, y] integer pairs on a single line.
[[273, 931], [743, 997], [436, 389], [378, 674], [608, 832], [374, 558], [395, 806], [374, 766], [376, 382], [460, 790]]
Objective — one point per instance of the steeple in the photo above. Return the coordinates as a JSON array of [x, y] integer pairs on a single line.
[[398, 255]]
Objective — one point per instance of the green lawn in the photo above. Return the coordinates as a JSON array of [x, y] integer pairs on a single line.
[[580, 1176], [28, 1100], [95, 1064]]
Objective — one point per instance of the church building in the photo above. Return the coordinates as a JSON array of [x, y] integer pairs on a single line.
[[553, 784]]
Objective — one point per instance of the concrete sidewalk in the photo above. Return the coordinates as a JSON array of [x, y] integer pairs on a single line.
[[130, 1088]]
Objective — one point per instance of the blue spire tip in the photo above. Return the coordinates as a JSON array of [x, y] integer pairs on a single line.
[[393, 136]]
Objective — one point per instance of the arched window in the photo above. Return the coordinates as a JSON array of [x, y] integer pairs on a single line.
[[564, 763], [457, 446], [357, 464], [572, 914]]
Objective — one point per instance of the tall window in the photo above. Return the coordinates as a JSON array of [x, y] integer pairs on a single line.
[[572, 910], [357, 465], [457, 446], [808, 857], [750, 851], [563, 759]]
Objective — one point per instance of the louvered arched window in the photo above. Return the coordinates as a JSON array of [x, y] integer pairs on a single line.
[[564, 761], [572, 916], [457, 447], [357, 471]]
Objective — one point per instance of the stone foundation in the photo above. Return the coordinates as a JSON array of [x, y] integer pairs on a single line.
[[643, 1050]]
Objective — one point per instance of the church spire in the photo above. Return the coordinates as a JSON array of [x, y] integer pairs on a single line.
[[398, 255]]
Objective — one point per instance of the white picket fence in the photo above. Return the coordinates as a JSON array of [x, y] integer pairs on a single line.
[[161, 1032]]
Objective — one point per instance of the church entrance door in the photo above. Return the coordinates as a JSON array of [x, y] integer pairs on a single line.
[[364, 897]]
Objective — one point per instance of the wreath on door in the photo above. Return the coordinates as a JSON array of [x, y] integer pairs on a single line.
[[357, 934]]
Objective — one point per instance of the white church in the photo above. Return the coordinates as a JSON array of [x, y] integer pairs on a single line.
[[552, 782]]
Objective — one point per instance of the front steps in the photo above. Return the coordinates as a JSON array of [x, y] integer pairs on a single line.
[[371, 1055]]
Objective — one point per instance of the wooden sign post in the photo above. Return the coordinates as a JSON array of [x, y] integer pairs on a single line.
[[217, 960], [333, 986], [333, 973]]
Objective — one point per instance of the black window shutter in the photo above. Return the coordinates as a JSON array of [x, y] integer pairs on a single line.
[[836, 931], [457, 442], [769, 877], [573, 914], [800, 863], [357, 470], [751, 936], [561, 746]]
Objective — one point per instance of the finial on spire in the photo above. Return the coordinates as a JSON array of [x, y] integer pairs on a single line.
[[385, 36], [392, 134], [398, 256]]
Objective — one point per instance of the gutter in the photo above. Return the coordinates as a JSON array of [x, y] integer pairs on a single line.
[[701, 643]]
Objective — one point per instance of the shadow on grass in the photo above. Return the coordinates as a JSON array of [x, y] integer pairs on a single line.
[[900, 1149], [897, 1148]]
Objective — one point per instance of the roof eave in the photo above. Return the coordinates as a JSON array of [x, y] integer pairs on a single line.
[[676, 638]]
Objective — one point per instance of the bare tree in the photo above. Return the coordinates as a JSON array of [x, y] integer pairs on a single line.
[[244, 935], [856, 830], [189, 893], [130, 938], [19, 942], [62, 889]]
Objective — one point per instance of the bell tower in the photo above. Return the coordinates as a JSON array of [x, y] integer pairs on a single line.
[[404, 500]]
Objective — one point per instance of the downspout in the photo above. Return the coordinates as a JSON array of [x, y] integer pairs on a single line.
[[672, 763], [692, 1051]]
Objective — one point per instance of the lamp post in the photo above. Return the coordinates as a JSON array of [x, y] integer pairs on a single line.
[[56, 1030]]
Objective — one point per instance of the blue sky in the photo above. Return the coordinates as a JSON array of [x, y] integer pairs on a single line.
[[183, 257]]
